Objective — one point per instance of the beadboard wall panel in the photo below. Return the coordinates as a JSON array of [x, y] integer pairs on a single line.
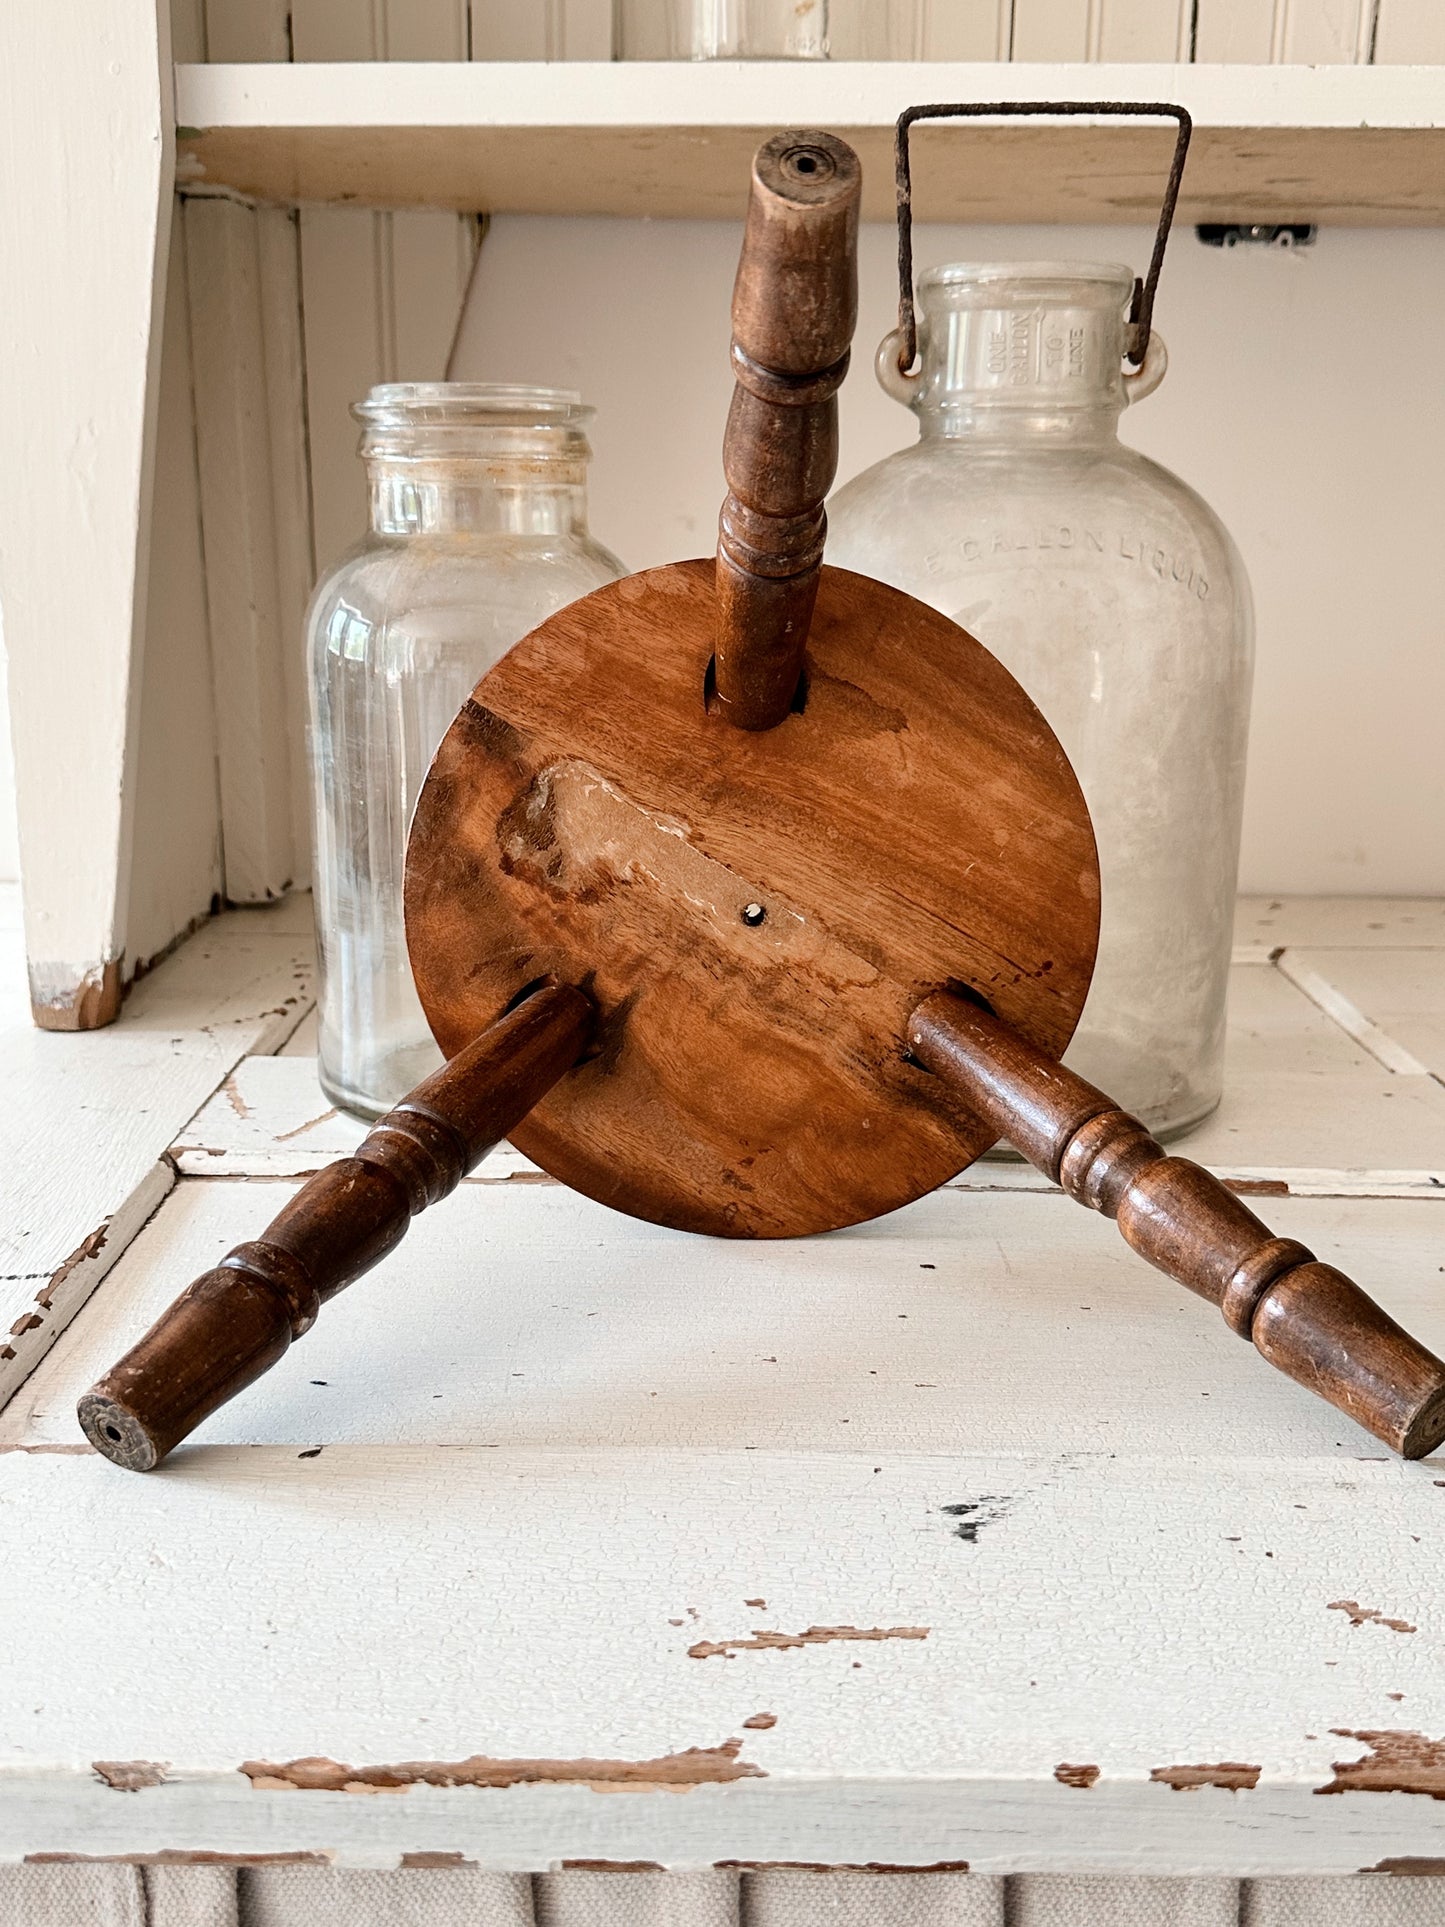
[[1410, 30]]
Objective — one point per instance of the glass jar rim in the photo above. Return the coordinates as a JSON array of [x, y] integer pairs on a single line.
[[1009, 277], [471, 404]]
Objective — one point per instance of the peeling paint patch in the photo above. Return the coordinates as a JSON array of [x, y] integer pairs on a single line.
[[696, 1766], [51, 1451], [129, 1776], [233, 1096], [1230, 1774], [177, 1857], [762, 1722], [843, 1866], [426, 1859], [973, 1514], [814, 1636], [1407, 1864], [613, 1866], [1079, 1776], [1360, 1614], [1395, 1763], [283, 1137], [89, 1247]]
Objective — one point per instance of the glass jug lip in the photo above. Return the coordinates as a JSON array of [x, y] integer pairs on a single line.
[[470, 404], [1001, 283]]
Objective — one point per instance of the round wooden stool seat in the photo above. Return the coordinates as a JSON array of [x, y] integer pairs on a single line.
[[756, 914]]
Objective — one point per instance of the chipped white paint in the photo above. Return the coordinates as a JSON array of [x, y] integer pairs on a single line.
[[88, 1119], [375, 1605]]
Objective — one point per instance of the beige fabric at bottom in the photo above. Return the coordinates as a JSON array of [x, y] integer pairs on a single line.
[[409, 1897], [191, 1896], [72, 1896], [788, 1898], [1370, 1900], [1129, 1900], [585, 1897]]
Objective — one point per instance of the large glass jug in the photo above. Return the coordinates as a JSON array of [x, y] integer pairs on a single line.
[[1115, 595], [478, 533]]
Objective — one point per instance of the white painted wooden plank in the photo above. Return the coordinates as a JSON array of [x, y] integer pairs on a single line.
[[249, 634], [344, 356], [1313, 31], [1400, 993], [1410, 30], [1234, 31], [80, 342], [1143, 30], [247, 29], [971, 30], [425, 30], [522, 1314], [88, 1119], [473, 1608], [428, 265], [1348, 1015], [1053, 29], [1353, 923], [278, 241], [176, 865]]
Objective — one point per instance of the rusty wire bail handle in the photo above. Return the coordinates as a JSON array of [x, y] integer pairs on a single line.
[[1141, 309]]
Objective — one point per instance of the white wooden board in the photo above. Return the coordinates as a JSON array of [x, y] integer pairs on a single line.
[[523, 1314], [1357, 923], [1341, 142], [541, 1620], [1400, 991], [89, 1117]]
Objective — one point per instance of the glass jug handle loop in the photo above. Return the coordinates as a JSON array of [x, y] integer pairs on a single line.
[[896, 382], [1138, 382], [1141, 313]]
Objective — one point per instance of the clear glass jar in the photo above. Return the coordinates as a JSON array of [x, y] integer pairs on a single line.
[[1117, 598], [768, 29], [478, 532]]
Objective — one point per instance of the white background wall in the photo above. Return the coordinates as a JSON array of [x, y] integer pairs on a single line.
[[1304, 400]]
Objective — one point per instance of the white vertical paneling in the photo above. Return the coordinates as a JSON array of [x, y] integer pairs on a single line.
[[381, 292], [84, 242], [345, 354], [242, 582], [1234, 30], [1143, 30], [1102, 29], [1410, 30], [279, 251], [1323, 32], [246, 29], [545, 29], [176, 869], [1053, 29], [188, 30], [967, 29]]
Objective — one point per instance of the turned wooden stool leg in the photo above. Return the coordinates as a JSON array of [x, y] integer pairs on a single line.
[[1305, 1317], [234, 1322], [794, 307]]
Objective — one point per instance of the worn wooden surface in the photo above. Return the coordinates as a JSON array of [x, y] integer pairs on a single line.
[[1335, 143], [757, 912], [542, 1433], [85, 1130]]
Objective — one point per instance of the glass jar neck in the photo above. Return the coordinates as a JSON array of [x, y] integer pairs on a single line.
[[474, 458], [1022, 353], [471, 497]]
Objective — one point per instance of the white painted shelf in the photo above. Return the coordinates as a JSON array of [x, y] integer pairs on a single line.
[[957, 1537], [1353, 144]]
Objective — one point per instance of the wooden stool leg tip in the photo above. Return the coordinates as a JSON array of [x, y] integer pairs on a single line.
[[117, 1433], [1426, 1430]]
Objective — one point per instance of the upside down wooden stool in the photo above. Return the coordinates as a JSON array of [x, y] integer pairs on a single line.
[[756, 899]]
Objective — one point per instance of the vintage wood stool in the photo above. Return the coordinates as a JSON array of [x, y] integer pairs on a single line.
[[756, 899]]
